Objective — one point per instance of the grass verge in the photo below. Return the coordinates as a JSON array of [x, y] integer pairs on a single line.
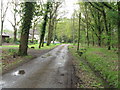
[[104, 61], [87, 77], [33, 45], [45, 46]]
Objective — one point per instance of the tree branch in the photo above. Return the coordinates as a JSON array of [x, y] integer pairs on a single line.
[[106, 5], [11, 23], [5, 11]]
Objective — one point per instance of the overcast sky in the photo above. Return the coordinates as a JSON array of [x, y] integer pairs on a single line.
[[68, 6]]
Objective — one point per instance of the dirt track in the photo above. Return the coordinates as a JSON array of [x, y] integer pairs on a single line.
[[51, 70]]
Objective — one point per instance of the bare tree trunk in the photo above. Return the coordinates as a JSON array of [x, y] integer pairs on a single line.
[[86, 17], [15, 26], [118, 3], [1, 33], [87, 36], [1, 24], [93, 42], [54, 33], [15, 34], [50, 33], [33, 35], [107, 31], [50, 29], [99, 30], [33, 32], [73, 28], [43, 43], [3, 14], [109, 38], [54, 36], [79, 33]]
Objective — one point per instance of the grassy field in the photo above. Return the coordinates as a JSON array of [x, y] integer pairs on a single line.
[[103, 61]]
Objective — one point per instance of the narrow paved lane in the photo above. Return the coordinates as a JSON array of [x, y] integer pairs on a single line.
[[51, 70]]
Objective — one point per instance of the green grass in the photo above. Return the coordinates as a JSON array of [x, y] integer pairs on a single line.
[[105, 61], [34, 45], [88, 73], [45, 46], [10, 46]]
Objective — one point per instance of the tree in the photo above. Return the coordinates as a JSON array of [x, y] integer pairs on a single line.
[[118, 30], [64, 34], [3, 14], [100, 19], [87, 29], [35, 22], [26, 24], [103, 20], [102, 8], [97, 17], [15, 15], [79, 32], [37, 17], [74, 26], [44, 25], [52, 19], [54, 32]]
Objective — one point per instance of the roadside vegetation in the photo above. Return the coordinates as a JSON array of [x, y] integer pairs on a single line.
[[86, 77], [105, 62], [102, 62]]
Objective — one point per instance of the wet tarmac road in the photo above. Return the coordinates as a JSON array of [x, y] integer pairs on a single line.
[[50, 70]]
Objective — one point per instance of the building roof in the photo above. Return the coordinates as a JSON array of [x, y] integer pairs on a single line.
[[5, 34]]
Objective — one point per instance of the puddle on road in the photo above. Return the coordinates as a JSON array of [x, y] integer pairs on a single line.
[[19, 72], [47, 55], [59, 63], [2, 83], [61, 59]]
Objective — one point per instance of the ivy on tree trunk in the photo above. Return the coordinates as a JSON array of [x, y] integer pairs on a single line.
[[26, 24]]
